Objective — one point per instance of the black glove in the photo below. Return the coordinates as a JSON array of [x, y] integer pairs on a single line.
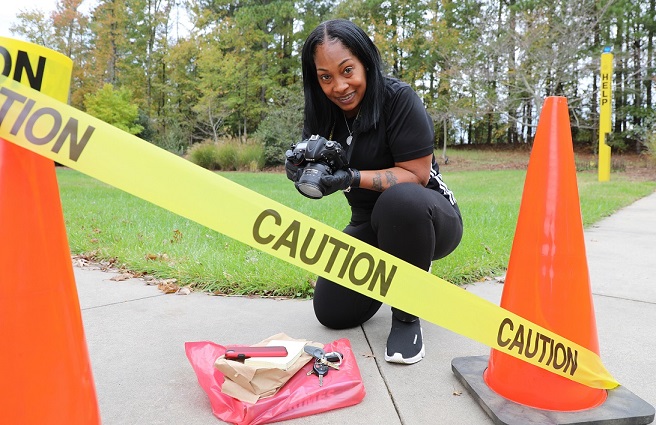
[[341, 180], [293, 171]]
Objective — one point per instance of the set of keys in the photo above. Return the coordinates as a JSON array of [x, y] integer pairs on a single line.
[[323, 361]]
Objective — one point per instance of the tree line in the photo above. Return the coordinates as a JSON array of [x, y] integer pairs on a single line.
[[179, 72]]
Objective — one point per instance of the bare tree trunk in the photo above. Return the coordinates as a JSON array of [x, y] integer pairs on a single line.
[[444, 157], [650, 56], [637, 103]]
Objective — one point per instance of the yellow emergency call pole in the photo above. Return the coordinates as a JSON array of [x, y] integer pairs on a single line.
[[605, 113]]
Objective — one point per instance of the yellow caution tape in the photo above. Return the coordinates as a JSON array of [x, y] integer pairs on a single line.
[[40, 68], [66, 135]]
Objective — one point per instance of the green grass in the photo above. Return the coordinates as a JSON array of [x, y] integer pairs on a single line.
[[489, 202], [107, 224]]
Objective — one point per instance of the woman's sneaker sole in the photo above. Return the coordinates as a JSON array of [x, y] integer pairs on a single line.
[[397, 357]]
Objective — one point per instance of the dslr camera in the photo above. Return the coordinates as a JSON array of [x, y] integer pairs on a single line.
[[318, 157]]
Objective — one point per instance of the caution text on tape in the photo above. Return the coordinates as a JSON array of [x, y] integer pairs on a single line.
[[64, 134]]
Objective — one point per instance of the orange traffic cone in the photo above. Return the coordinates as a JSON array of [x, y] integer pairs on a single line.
[[547, 280], [44, 364]]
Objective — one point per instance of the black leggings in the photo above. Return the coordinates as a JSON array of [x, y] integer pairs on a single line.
[[411, 222]]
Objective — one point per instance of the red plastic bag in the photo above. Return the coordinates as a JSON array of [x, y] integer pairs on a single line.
[[300, 396]]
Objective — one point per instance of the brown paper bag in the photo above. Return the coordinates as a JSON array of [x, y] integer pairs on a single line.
[[249, 384]]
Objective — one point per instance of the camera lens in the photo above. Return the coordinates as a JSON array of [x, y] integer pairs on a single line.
[[310, 190], [309, 183]]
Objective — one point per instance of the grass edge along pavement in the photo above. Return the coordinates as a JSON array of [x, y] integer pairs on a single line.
[[118, 230], [170, 182]]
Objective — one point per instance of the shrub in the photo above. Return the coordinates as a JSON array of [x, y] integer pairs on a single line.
[[650, 144], [205, 154], [251, 157], [616, 142], [282, 126], [173, 139], [227, 156], [115, 107]]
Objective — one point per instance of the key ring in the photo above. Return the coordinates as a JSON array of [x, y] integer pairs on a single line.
[[333, 355]]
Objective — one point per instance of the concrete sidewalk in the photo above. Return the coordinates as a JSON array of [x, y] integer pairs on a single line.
[[136, 335]]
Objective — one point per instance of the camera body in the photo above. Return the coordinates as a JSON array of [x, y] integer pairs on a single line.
[[318, 157]]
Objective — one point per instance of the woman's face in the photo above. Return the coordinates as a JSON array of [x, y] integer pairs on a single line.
[[341, 75]]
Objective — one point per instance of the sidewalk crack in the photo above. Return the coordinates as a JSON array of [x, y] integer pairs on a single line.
[[380, 372], [623, 298], [121, 302]]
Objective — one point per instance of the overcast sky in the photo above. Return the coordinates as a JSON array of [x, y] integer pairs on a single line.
[[10, 9]]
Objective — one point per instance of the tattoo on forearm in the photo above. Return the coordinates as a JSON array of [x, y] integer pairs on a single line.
[[391, 178], [377, 183]]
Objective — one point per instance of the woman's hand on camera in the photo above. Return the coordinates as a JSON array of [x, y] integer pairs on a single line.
[[293, 171], [340, 180]]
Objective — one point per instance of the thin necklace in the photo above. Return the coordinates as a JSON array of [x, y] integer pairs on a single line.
[[349, 139]]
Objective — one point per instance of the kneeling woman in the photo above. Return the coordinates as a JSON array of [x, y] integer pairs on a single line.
[[399, 202]]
